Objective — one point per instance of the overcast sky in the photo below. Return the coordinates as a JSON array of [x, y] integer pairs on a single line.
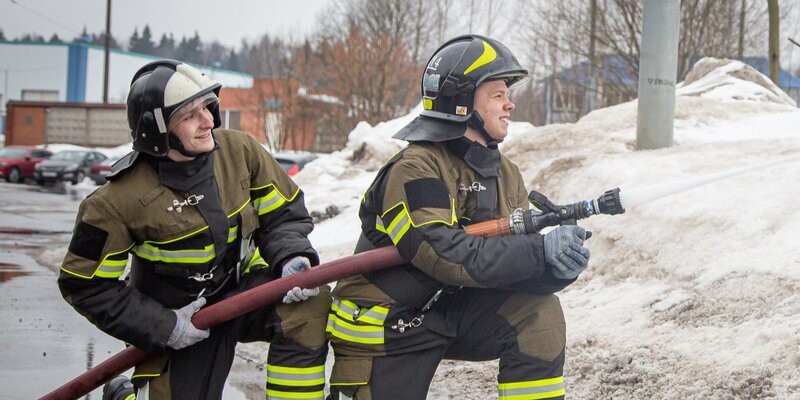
[[228, 21]]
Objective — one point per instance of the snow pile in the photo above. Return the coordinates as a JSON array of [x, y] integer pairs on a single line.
[[694, 295], [725, 79]]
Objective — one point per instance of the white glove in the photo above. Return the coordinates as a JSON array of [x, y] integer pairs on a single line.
[[297, 294], [185, 334]]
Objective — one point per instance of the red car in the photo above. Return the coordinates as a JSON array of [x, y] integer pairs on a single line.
[[99, 171], [17, 162]]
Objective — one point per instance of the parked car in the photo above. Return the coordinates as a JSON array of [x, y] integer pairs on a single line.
[[17, 162], [67, 165], [99, 171], [292, 163]]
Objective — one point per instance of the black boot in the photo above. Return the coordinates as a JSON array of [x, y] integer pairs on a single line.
[[119, 388]]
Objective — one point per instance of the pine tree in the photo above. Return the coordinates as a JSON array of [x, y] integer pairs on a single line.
[[133, 42], [146, 43]]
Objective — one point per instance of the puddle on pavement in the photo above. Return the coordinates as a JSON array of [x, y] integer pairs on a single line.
[[11, 271]]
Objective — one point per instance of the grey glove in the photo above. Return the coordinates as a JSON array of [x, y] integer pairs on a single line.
[[185, 333], [563, 249], [296, 294]]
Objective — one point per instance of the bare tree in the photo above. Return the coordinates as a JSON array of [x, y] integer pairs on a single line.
[[371, 51], [565, 27]]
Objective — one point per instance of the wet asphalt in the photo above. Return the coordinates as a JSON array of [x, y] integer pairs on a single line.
[[44, 343]]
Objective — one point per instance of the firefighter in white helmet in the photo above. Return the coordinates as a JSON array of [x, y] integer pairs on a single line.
[[202, 213]]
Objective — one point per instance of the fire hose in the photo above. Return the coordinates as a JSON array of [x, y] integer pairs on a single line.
[[520, 222]]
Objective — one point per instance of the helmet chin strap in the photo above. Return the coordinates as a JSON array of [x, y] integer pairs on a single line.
[[175, 143], [476, 122]]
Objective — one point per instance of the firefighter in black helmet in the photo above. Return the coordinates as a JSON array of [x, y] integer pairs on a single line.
[[202, 213], [460, 296]]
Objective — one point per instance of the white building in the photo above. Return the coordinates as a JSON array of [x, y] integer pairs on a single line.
[[73, 72]]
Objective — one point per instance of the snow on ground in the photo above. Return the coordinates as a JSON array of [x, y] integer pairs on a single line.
[[695, 295]]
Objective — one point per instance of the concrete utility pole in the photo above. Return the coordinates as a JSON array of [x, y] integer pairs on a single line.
[[107, 51], [658, 70], [774, 42]]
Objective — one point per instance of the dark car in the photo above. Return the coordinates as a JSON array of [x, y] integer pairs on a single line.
[[292, 163], [67, 165], [99, 171], [17, 162]]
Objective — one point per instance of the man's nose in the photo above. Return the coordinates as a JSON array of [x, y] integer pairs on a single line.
[[207, 118], [510, 105]]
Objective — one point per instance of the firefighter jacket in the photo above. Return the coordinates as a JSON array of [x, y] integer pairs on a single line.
[[189, 229], [419, 202]]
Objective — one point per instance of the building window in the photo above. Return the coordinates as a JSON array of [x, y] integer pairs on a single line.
[[230, 119], [273, 103]]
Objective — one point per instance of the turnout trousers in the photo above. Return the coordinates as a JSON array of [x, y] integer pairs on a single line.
[[295, 363], [525, 331]]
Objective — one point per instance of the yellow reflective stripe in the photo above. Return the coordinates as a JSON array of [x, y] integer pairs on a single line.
[[537, 389], [402, 222], [131, 396], [256, 261], [296, 376], [489, 55], [283, 395], [379, 224], [399, 226], [111, 268], [366, 334], [232, 231], [187, 256], [350, 311], [272, 200], [453, 217]]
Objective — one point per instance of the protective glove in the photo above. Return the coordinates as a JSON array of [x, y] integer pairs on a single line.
[[297, 294], [185, 334], [563, 249]]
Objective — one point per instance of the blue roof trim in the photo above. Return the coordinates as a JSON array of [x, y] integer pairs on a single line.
[[616, 69], [786, 80], [87, 46]]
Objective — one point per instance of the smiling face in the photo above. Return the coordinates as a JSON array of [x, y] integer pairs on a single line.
[[494, 106], [192, 125]]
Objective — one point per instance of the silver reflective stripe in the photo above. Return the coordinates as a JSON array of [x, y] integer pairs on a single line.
[[186, 256], [296, 377], [293, 396], [374, 335], [144, 392], [355, 314], [159, 114], [399, 228], [232, 233], [269, 202], [533, 389], [112, 269]]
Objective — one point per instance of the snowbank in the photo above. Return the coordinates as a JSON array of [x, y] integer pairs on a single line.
[[694, 295]]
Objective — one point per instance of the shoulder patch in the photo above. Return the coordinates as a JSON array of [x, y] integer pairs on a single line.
[[426, 193], [88, 241]]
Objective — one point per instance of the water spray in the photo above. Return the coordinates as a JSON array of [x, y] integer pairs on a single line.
[[612, 202]]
